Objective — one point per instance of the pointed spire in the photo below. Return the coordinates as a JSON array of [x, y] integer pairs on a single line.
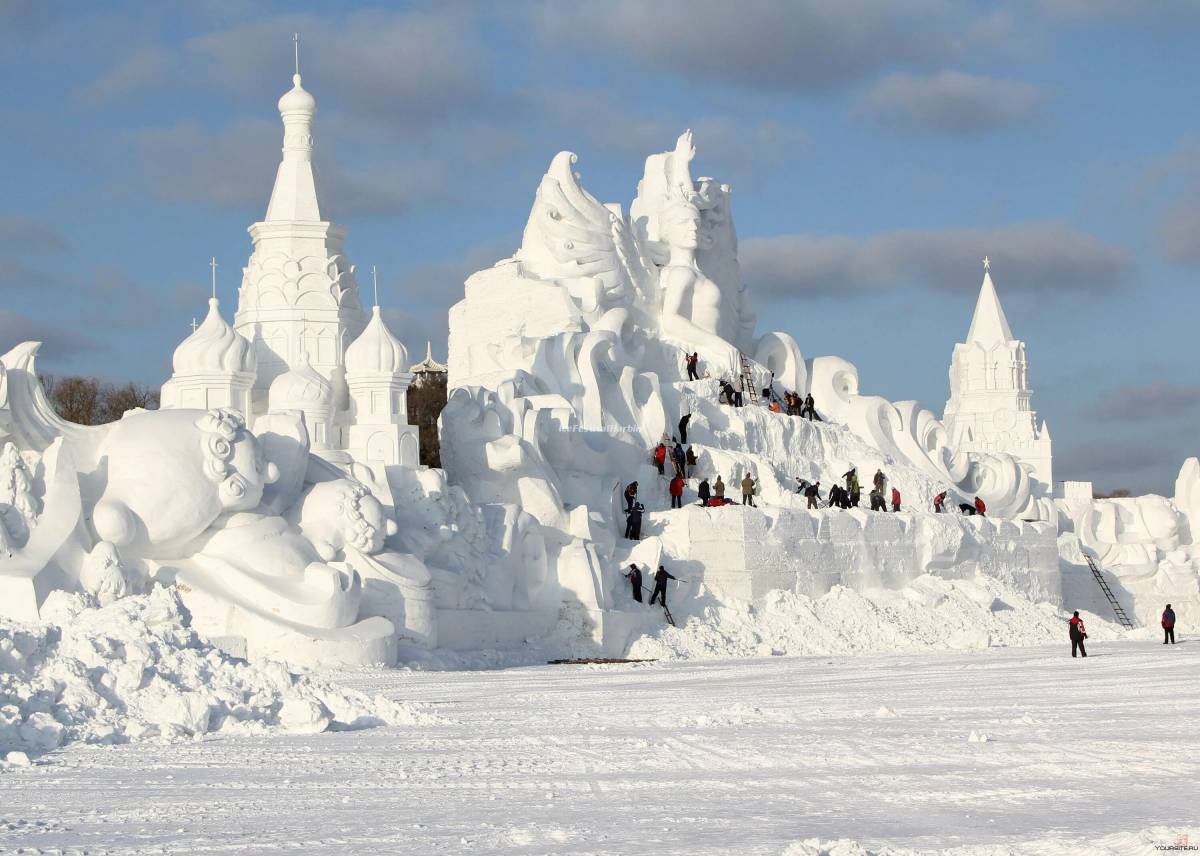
[[988, 325], [375, 280], [294, 197], [213, 264]]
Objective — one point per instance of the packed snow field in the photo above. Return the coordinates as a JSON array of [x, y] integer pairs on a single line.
[[996, 751]]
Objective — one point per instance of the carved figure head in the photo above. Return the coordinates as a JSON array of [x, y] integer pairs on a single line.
[[679, 224], [234, 460]]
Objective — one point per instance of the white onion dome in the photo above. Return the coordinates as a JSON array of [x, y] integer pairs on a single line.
[[302, 388], [214, 348], [376, 350], [297, 99]]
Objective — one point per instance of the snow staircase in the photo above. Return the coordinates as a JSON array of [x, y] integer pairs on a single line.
[[748, 378], [1118, 610]]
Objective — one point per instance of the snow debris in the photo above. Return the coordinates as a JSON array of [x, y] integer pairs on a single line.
[[930, 613], [133, 670], [978, 737]]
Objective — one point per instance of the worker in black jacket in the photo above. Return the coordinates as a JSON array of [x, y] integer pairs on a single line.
[[660, 586], [634, 575]]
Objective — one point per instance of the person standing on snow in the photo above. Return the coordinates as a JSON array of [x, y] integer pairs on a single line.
[[1078, 634], [1168, 625], [630, 496], [691, 461], [939, 502], [879, 482], [895, 500], [703, 492], [719, 488], [634, 575], [683, 425], [980, 508], [660, 457], [678, 459], [748, 491], [813, 493], [693, 362], [677, 492], [809, 407], [660, 586], [633, 525]]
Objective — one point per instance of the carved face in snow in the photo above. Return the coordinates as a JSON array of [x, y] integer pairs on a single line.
[[339, 514], [679, 225]]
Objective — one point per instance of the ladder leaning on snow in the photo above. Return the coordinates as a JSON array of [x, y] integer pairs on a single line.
[[748, 378], [1125, 620]]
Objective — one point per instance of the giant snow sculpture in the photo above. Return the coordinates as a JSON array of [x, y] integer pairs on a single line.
[[278, 487], [566, 368]]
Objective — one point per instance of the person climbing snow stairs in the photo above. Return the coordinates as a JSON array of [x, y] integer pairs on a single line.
[[1117, 609]]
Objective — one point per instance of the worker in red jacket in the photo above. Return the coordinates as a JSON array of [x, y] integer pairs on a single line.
[[1168, 625], [895, 500], [1078, 634], [980, 508], [677, 492]]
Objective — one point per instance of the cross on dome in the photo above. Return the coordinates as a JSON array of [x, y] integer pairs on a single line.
[[987, 263], [213, 264], [375, 280], [296, 43]]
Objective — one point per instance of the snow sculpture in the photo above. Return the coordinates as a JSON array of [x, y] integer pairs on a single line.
[[213, 367], [1147, 543], [989, 408], [566, 368], [378, 375]]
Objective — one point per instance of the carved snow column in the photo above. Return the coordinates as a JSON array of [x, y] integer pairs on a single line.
[[298, 301], [304, 389], [213, 367], [377, 372], [990, 407]]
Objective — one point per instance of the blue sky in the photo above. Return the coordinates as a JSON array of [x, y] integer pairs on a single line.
[[877, 151]]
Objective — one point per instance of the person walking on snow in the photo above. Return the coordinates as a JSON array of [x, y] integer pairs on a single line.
[[660, 586], [693, 361], [980, 508], [633, 524], [1168, 625], [939, 502], [895, 500], [1078, 634], [719, 488], [748, 491], [683, 424], [630, 496], [677, 492], [660, 457], [703, 491], [813, 493], [634, 575]]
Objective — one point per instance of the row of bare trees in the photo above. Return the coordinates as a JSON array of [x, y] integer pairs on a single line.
[[87, 401]]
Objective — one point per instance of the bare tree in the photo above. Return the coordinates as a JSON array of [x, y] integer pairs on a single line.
[[119, 399], [77, 399]]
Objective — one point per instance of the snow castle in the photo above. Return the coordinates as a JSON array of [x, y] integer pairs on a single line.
[[279, 490]]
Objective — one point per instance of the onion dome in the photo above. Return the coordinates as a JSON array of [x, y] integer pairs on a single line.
[[302, 388], [214, 348], [376, 351], [297, 99]]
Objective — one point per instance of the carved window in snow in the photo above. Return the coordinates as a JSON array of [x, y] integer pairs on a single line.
[[381, 448]]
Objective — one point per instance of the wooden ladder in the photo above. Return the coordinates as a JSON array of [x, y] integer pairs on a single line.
[[1117, 609], [748, 378], [670, 617]]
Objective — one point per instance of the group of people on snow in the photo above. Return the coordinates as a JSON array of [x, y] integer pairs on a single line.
[[1077, 632]]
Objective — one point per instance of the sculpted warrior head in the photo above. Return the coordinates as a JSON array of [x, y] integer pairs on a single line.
[[679, 223]]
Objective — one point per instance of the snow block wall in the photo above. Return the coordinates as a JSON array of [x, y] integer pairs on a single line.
[[744, 553]]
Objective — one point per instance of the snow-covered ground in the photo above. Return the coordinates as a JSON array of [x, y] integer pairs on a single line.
[[998, 751]]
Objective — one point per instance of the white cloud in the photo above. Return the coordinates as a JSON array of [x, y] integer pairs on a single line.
[[1026, 257], [950, 102]]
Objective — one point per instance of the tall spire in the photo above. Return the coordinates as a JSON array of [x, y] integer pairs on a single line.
[[988, 325], [294, 197]]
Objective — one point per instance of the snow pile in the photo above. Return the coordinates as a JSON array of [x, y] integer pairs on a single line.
[[930, 613], [133, 670]]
